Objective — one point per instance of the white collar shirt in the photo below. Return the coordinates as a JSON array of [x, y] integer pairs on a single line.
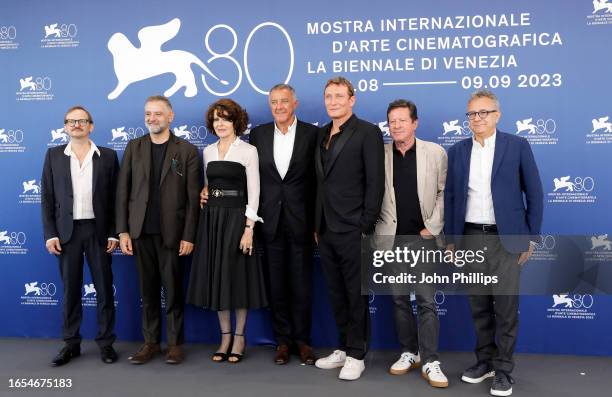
[[479, 208], [82, 182], [283, 147]]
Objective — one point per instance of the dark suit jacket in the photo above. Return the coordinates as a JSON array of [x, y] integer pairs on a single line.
[[57, 194], [180, 190], [518, 198], [350, 189], [295, 194]]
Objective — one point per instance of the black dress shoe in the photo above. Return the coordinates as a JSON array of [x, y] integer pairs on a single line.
[[66, 354], [108, 354]]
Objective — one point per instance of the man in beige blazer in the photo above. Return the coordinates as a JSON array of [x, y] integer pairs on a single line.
[[413, 207]]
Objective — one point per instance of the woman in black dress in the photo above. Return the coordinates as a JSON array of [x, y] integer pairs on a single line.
[[225, 273]]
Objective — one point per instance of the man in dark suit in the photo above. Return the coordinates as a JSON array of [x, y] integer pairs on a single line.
[[287, 179], [494, 203], [157, 211], [78, 205], [349, 163]]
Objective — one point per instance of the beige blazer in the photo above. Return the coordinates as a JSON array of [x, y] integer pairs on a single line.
[[432, 163]]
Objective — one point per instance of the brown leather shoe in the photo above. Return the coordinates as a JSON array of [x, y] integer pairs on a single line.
[[145, 353], [282, 355], [307, 355], [175, 355]]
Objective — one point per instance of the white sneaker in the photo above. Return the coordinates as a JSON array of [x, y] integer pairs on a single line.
[[334, 360], [352, 369], [406, 362], [434, 375]]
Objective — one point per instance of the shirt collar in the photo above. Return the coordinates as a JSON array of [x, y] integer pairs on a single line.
[[412, 148], [68, 150], [343, 126], [488, 142], [291, 129], [236, 142]]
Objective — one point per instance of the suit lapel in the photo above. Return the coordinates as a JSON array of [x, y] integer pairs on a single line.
[[297, 143], [421, 163], [339, 145], [145, 155], [498, 155], [389, 165], [467, 155], [95, 163], [318, 159], [67, 173], [269, 150], [171, 151]]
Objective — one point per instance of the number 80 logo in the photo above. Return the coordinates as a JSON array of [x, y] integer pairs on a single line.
[[8, 33]]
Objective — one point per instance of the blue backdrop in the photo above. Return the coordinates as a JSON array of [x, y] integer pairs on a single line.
[[548, 62]]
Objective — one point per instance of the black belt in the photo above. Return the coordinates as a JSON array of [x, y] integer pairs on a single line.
[[220, 193], [481, 227]]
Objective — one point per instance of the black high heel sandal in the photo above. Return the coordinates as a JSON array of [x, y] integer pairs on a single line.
[[237, 356], [219, 357]]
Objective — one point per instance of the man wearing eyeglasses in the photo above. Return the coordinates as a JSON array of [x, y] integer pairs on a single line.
[[493, 204], [78, 205]]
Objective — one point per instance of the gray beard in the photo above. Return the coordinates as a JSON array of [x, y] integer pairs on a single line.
[[156, 129]]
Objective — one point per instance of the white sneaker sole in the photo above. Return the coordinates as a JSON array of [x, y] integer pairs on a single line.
[[329, 365], [500, 392], [404, 371], [433, 382], [352, 377], [478, 380]]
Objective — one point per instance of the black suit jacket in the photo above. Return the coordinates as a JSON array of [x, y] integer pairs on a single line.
[[180, 190], [295, 194], [350, 189], [57, 194]]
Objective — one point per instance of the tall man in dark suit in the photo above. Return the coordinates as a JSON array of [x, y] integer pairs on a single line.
[[157, 211], [78, 205], [349, 162], [493, 202], [287, 178]]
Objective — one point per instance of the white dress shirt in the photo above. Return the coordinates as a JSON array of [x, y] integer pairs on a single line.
[[283, 147], [82, 184], [479, 207], [245, 154]]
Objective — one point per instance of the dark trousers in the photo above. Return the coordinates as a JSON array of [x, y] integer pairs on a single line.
[[495, 314], [341, 263], [160, 266], [84, 240], [289, 266], [421, 337]]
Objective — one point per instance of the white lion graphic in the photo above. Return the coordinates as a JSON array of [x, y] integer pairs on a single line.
[[59, 134], [601, 241], [563, 182], [31, 287], [452, 126], [119, 133], [525, 125], [134, 64], [562, 299], [182, 132], [4, 238], [89, 289], [30, 185], [52, 29], [599, 5], [602, 123], [27, 83]]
